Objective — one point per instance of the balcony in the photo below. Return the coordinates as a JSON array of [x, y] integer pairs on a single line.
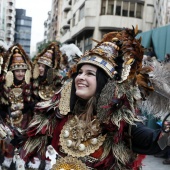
[[10, 36], [11, 1], [9, 14], [87, 23], [66, 6], [69, 16], [10, 30], [10, 7], [64, 24], [2, 35], [110, 22]]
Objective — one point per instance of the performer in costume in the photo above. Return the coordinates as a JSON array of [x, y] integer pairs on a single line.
[[46, 83], [15, 95], [101, 130]]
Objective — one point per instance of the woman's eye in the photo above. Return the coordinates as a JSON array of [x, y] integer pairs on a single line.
[[91, 74], [80, 72]]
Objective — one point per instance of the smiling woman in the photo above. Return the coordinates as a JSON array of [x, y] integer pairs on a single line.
[[102, 129], [85, 82]]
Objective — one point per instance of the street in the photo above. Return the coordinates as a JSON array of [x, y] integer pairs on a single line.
[[152, 163]]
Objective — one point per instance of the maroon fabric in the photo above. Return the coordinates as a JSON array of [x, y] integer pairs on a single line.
[[57, 131]]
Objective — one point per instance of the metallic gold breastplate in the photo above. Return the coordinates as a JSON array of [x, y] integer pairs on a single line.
[[79, 138], [16, 100], [46, 91]]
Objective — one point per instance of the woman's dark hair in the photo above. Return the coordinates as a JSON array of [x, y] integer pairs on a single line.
[[101, 78]]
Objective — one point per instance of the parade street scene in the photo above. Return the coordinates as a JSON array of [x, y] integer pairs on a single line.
[[84, 84]]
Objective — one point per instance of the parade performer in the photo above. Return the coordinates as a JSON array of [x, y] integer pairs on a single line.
[[46, 83], [15, 100], [100, 129]]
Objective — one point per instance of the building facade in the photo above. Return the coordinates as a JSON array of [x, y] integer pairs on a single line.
[[83, 20], [47, 28], [52, 24], [162, 13], [23, 26], [7, 22], [2, 20]]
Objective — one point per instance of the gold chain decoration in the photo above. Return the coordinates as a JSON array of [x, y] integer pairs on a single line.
[[68, 163], [64, 104]]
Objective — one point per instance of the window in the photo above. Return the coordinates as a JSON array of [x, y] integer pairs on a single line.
[[118, 8], [81, 14], [132, 10], [103, 7], [22, 22], [125, 9], [110, 7], [139, 11], [74, 20], [88, 43]]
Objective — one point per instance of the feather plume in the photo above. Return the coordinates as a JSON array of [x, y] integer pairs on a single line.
[[71, 50], [158, 102]]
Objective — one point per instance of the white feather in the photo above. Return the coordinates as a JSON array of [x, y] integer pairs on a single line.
[[71, 50]]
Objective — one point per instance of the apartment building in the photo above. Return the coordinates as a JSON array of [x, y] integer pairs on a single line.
[[161, 13], [7, 22], [47, 28], [23, 26], [10, 21], [83, 20], [56, 12], [2, 21]]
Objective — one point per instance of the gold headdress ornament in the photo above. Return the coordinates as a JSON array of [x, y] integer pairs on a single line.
[[119, 53], [16, 59], [50, 57], [2, 53]]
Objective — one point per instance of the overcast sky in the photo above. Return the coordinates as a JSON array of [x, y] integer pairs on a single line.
[[38, 10]]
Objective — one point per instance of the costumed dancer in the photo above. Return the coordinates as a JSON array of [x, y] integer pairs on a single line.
[[46, 84], [101, 130], [15, 96]]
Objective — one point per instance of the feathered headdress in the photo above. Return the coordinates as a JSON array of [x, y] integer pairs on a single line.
[[119, 54], [14, 59], [50, 57]]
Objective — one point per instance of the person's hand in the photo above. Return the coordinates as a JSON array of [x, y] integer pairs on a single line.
[[166, 124]]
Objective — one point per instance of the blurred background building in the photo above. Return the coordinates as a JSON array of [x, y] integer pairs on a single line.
[[78, 21], [23, 29], [7, 22]]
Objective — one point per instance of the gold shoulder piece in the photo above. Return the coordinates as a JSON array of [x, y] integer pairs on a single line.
[[36, 71], [9, 79], [64, 104], [28, 76]]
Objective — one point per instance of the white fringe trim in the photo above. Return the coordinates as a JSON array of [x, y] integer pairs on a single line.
[[36, 164], [7, 162]]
